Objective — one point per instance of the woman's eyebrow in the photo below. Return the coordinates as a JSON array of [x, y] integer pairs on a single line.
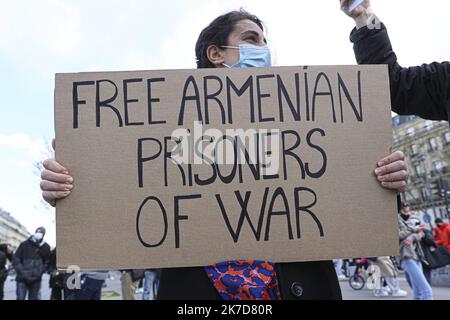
[[252, 33]]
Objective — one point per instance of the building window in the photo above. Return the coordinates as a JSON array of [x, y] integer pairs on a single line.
[[433, 145], [424, 194], [414, 149], [419, 170], [396, 121], [437, 165], [428, 124], [447, 137]]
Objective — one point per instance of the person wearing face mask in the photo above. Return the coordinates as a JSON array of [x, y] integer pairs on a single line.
[[405, 212], [30, 261], [250, 56], [236, 40]]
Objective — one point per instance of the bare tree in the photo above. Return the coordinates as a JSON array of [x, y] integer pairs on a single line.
[[45, 153]]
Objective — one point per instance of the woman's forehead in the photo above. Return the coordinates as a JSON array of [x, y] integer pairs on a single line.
[[245, 26]]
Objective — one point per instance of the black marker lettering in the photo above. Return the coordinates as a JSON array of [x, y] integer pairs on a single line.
[[261, 95], [322, 170], [342, 86], [76, 102], [196, 97], [317, 93], [213, 96], [141, 159], [106, 103], [151, 100], [178, 216], [126, 101], [278, 192], [164, 214]]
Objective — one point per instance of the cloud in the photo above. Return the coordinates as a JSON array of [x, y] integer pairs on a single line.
[[34, 149], [42, 30], [295, 37], [178, 50], [317, 32]]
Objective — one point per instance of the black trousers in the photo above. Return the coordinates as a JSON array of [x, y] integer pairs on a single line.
[[56, 294], [33, 289], [2, 287], [299, 280]]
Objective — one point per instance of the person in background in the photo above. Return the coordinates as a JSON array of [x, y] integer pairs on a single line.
[[30, 261], [442, 233], [130, 282], [236, 39], [338, 263], [5, 255], [423, 90], [151, 284], [388, 272], [428, 243], [85, 285], [91, 285], [56, 281], [410, 255]]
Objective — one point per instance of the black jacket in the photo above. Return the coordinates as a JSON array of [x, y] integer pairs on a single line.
[[3, 272], [428, 239], [422, 90], [31, 260], [3, 258], [300, 280]]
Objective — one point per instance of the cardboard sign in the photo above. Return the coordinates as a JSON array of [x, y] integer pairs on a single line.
[[191, 167]]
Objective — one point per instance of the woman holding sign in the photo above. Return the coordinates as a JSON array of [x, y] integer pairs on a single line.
[[236, 40]]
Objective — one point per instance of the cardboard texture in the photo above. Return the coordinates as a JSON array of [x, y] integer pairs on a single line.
[[132, 207]]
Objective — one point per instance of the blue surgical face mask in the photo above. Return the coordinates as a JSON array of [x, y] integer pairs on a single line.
[[38, 236], [251, 56]]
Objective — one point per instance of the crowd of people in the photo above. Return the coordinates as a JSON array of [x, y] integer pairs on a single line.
[[33, 258], [422, 249]]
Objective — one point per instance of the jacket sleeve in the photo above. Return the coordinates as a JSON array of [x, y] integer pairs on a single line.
[[2, 260], [422, 90], [403, 234], [403, 231], [46, 259], [17, 259]]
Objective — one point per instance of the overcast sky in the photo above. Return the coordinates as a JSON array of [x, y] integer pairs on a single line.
[[40, 38]]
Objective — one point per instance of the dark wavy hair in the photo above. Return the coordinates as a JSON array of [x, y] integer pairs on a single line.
[[217, 32]]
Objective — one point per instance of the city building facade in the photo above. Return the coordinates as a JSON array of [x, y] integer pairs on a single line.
[[426, 145], [11, 231]]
